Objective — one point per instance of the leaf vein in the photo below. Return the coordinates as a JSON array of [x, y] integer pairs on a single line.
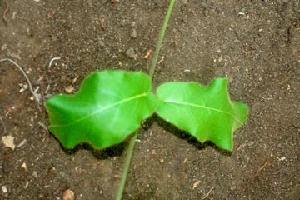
[[102, 109], [203, 107]]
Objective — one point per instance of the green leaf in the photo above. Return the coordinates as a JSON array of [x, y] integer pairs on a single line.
[[206, 112], [109, 106]]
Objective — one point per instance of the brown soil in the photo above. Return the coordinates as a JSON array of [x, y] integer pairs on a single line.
[[254, 43]]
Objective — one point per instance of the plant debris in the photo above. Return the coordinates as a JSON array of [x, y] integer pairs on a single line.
[[8, 142]]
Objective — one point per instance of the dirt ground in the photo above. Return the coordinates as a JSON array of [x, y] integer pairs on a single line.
[[255, 44]]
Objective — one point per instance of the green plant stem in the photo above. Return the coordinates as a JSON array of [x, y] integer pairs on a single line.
[[161, 37], [151, 72], [126, 166]]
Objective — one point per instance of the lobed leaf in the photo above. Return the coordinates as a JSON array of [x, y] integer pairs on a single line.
[[109, 106], [206, 112]]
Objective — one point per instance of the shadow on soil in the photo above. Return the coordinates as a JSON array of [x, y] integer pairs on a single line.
[[118, 149]]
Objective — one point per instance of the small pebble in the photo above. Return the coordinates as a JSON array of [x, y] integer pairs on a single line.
[[4, 189], [34, 174], [68, 195], [4, 47], [23, 87], [133, 24], [63, 78], [134, 33], [131, 54]]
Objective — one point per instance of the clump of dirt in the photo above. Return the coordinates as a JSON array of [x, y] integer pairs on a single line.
[[255, 44]]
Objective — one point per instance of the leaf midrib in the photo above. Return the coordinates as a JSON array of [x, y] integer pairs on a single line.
[[102, 109], [202, 107]]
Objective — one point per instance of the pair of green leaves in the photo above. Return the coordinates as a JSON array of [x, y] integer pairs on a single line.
[[111, 105]]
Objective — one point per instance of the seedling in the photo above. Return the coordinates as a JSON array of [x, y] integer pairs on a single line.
[[110, 106]]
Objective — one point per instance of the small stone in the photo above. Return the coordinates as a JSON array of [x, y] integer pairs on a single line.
[[68, 195], [133, 25], [4, 47], [282, 158], [23, 87], [4, 189], [51, 169], [133, 33], [63, 78], [100, 43], [131, 54], [29, 32], [123, 22], [34, 174], [90, 3]]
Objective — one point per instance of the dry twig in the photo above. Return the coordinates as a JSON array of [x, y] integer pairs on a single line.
[[4, 14], [3, 125], [208, 193], [34, 92], [51, 61]]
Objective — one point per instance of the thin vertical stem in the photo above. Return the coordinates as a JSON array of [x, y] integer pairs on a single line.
[[151, 72], [161, 37], [126, 166]]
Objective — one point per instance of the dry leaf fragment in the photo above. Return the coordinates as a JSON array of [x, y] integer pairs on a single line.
[[22, 143], [8, 142], [148, 54], [196, 184], [185, 160], [69, 89], [74, 79], [24, 166]]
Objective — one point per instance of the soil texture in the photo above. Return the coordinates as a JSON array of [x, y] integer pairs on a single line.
[[255, 44]]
